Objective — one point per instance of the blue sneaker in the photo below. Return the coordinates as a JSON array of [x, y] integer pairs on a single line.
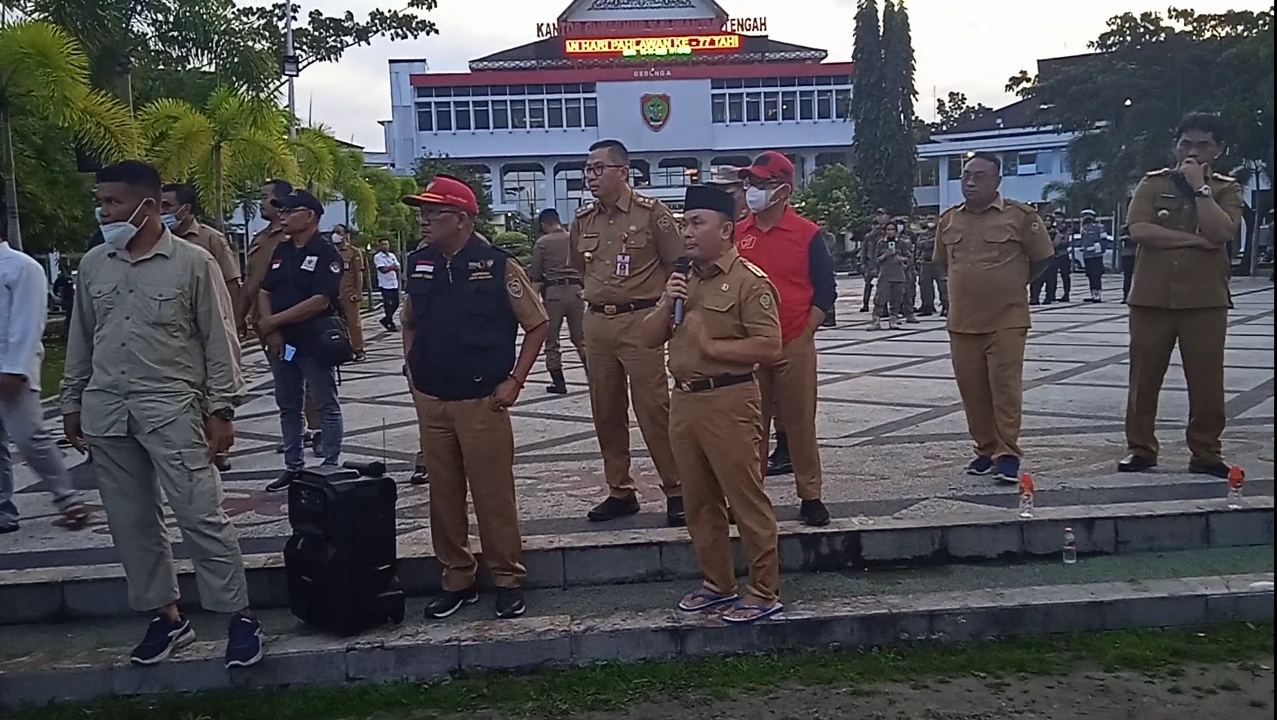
[[163, 636], [245, 642], [1008, 469], [980, 466]]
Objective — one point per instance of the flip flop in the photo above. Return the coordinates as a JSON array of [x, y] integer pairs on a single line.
[[763, 612], [707, 600], [75, 517]]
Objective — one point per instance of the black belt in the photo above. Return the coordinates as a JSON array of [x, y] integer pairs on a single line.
[[712, 383], [568, 281], [621, 308]]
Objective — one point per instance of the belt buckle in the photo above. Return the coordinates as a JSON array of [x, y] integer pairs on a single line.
[[610, 309], [685, 386]]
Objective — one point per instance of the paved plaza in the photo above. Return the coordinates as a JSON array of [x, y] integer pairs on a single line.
[[892, 433]]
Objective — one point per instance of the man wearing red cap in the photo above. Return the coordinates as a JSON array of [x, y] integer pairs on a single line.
[[466, 301], [793, 253]]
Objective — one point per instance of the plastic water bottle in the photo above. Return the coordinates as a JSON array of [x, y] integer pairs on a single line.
[[1236, 481], [1070, 547], [1026, 495]]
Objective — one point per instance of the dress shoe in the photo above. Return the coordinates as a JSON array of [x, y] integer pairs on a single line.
[[282, 482], [779, 464], [420, 476], [674, 513], [813, 513], [613, 508], [1216, 468], [1135, 463]]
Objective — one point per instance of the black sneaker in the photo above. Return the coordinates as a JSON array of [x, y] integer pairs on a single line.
[[420, 476], [316, 443], [245, 642], [510, 603], [282, 482], [813, 513], [163, 636], [675, 514], [450, 602], [9, 527], [779, 464], [613, 508], [222, 462]]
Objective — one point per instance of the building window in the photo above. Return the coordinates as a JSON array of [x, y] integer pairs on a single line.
[[771, 107], [806, 105], [676, 172], [753, 107], [928, 173], [1045, 163], [1010, 164], [572, 108], [536, 114], [424, 92], [463, 115], [830, 158], [735, 108], [523, 186], [842, 104], [955, 167], [729, 161], [1028, 163], [591, 112], [500, 115], [425, 120], [570, 190], [482, 120], [824, 104], [554, 113], [519, 114], [718, 109], [443, 116], [800, 169], [640, 173], [789, 106]]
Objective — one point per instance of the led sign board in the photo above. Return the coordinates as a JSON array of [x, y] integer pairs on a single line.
[[652, 46], [636, 28]]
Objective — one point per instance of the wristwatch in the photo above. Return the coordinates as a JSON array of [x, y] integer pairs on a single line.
[[227, 414], [1203, 191]]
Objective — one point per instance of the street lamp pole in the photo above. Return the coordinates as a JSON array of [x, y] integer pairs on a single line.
[[290, 69]]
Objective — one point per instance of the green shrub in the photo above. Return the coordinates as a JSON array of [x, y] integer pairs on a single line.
[[517, 244]]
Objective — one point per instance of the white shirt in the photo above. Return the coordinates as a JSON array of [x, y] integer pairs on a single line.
[[23, 309], [386, 279]]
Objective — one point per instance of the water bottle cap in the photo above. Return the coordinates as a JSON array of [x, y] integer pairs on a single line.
[[1068, 529]]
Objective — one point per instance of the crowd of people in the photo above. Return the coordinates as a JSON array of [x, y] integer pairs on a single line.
[[727, 301]]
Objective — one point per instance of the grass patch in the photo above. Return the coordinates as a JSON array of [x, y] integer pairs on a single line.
[[613, 687], [55, 356]]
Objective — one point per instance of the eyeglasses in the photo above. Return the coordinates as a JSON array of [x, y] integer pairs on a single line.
[[432, 214], [599, 169]]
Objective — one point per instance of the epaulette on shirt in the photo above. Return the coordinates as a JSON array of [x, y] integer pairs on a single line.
[[585, 210], [753, 268], [1158, 172], [1222, 177], [644, 201], [1025, 207]]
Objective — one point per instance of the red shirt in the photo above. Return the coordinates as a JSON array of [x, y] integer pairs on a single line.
[[784, 253]]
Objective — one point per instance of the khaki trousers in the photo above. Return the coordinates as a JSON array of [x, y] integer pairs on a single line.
[[419, 404], [467, 444], [354, 324], [616, 358], [135, 474], [989, 368], [563, 302], [789, 388], [1200, 334], [717, 437]]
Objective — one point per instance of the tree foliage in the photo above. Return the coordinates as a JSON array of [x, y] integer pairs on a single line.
[[867, 102], [394, 219], [834, 198], [899, 92], [432, 165], [1148, 70], [955, 110]]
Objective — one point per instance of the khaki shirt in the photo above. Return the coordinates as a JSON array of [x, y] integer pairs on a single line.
[[259, 255], [987, 256], [625, 253], [894, 267], [352, 276], [1183, 278], [215, 243], [735, 301], [552, 259], [525, 304], [150, 338]]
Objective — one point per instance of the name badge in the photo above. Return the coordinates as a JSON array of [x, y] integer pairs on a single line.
[[623, 265], [424, 267], [309, 263], [480, 275], [345, 264]]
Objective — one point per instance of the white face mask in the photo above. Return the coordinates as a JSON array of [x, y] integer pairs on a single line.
[[118, 234], [759, 199]]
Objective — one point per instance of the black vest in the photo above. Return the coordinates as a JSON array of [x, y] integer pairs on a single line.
[[464, 330]]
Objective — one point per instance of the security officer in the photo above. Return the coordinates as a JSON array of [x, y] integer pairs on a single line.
[[302, 284], [1039, 283], [792, 251], [931, 276], [352, 287], [727, 179], [260, 252], [729, 324], [465, 304], [625, 245], [991, 248], [910, 304], [560, 288], [1062, 265], [869, 255], [1183, 220], [1094, 244]]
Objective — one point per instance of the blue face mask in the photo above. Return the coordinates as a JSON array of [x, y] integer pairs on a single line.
[[170, 221]]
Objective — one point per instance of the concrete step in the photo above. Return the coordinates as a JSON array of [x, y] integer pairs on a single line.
[[84, 660], [656, 554]]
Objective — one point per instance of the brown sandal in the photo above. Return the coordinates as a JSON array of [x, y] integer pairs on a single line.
[[75, 517]]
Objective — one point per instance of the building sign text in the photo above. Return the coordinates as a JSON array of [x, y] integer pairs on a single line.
[[653, 46], [634, 28]]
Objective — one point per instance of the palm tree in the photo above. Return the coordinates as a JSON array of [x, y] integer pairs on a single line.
[[234, 141], [334, 170], [44, 76]]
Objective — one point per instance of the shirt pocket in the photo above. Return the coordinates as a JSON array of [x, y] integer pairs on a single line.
[[103, 299], [1168, 211], [163, 307], [720, 316]]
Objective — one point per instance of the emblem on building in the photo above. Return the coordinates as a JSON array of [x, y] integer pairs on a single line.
[[656, 110]]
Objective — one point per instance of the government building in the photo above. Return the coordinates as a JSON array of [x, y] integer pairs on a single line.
[[685, 86]]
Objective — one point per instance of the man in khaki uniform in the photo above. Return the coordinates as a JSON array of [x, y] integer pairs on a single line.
[[869, 255], [1183, 221], [151, 383], [352, 287], [990, 248], [625, 246], [560, 288], [728, 324], [930, 275], [259, 255]]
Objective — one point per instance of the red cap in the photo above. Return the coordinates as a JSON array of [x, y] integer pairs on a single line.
[[771, 165], [446, 190]]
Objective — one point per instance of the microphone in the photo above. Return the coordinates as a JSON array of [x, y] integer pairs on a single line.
[[373, 469], [681, 266]]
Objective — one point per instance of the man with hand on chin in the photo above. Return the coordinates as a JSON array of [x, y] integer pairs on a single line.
[[151, 384], [727, 326], [792, 251]]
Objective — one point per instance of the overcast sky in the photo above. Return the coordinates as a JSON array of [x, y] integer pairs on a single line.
[[971, 46]]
